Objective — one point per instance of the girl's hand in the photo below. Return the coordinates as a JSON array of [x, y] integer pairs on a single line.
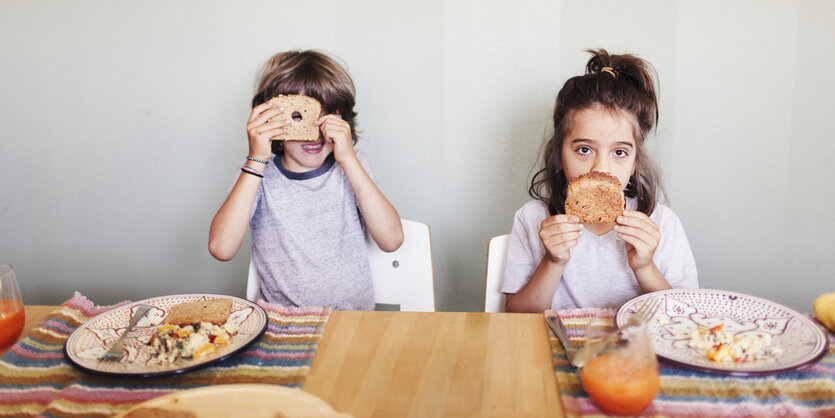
[[337, 132], [560, 233], [259, 130], [641, 235]]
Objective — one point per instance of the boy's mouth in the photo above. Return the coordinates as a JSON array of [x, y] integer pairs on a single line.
[[313, 147]]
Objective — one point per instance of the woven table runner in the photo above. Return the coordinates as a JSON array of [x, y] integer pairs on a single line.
[[685, 392], [35, 379]]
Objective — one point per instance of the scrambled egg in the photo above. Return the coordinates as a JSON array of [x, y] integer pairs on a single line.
[[172, 342], [721, 346]]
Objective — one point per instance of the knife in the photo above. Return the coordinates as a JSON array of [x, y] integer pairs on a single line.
[[575, 357]]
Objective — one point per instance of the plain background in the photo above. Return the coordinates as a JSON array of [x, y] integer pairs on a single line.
[[122, 127]]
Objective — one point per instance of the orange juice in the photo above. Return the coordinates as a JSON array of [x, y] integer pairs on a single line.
[[11, 321], [619, 384]]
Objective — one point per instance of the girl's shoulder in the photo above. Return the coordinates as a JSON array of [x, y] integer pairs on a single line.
[[664, 216], [534, 211]]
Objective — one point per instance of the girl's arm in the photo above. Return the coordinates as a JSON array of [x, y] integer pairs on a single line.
[[537, 294], [642, 236], [558, 233], [378, 213], [232, 219]]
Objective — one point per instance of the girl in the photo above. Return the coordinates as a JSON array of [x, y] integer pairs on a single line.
[[601, 120], [307, 207]]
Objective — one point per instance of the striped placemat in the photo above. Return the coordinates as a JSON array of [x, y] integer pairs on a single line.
[[685, 392], [36, 380]]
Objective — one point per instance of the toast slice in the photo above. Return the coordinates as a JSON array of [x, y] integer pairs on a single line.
[[303, 112], [595, 197], [215, 311]]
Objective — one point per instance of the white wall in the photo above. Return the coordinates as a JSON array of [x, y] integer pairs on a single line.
[[122, 125]]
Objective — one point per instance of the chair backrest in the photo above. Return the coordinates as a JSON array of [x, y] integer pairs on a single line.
[[403, 277], [494, 299], [252, 281]]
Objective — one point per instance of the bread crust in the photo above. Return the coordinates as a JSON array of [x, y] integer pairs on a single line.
[[307, 107], [595, 197], [215, 311]]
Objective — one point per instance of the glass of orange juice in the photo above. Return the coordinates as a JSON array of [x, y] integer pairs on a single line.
[[620, 372], [11, 307]]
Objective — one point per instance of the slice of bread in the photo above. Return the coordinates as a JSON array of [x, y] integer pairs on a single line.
[[303, 112], [215, 311], [595, 197]]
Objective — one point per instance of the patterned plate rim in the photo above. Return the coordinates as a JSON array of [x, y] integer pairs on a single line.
[[262, 314], [621, 317]]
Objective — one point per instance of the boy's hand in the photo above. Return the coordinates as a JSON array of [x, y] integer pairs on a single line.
[[337, 132], [259, 130], [641, 235], [560, 233]]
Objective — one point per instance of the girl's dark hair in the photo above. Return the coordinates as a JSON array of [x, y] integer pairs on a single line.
[[314, 74], [619, 83]]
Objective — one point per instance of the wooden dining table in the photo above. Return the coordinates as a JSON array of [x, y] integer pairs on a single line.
[[424, 364]]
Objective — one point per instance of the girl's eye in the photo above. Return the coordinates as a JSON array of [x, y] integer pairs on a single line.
[[584, 150], [621, 153]]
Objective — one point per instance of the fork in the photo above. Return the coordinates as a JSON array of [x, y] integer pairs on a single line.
[[645, 312], [118, 350], [574, 355]]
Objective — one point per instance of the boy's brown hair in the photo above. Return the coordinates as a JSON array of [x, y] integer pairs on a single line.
[[311, 73]]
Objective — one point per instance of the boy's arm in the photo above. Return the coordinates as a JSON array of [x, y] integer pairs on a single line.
[[232, 219], [379, 214]]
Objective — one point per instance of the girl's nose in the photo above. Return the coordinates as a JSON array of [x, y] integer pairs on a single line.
[[601, 164]]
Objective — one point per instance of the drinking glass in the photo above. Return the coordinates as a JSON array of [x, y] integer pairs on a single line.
[[11, 307], [621, 372]]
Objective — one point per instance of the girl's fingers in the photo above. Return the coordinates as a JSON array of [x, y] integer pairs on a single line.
[[558, 219], [638, 234], [562, 240], [558, 229]]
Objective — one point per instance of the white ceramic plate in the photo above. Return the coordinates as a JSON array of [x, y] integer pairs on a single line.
[[803, 342], [88, 342], [232, 400]]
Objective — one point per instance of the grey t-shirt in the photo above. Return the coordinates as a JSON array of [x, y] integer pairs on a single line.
[[308, 241], [598, 273]]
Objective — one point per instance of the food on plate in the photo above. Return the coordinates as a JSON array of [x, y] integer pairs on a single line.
[[303, 112], [721, 346], [215, 311], [192, 330], [595, 197], [825, 310]]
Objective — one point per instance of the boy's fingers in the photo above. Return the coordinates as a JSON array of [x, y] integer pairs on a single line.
[[258, 110]]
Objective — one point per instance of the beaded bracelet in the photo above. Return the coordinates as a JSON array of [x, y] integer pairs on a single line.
[[256, 160], [247, 169]]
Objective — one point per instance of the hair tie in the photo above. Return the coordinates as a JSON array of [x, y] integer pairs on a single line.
[[609, 70]]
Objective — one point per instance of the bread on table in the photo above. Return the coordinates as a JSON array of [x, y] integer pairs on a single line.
[[302, 112], [595, 197], [215, 311]]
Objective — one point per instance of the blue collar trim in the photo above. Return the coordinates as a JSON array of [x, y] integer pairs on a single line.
[[329, 162]]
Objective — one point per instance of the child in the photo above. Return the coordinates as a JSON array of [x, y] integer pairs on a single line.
[[601, 120], [307, 207]]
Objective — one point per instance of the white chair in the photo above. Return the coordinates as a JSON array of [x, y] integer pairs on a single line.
[[494, 299], [403, 277]]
